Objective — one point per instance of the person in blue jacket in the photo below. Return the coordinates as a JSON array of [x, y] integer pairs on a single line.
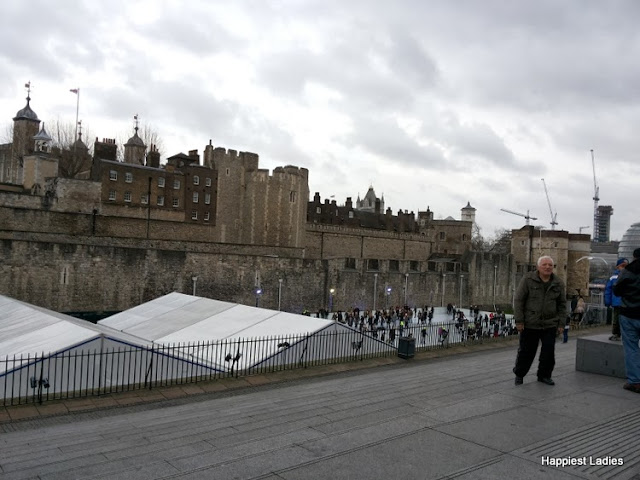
[[612, 300]]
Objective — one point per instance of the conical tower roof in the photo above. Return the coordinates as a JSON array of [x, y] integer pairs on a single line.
[[42, 135], [27, 113]]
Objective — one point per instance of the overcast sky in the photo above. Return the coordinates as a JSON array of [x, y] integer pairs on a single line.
[[433, 103]]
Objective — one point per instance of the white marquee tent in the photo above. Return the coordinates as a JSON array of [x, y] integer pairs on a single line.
[[168, 339], [252, 337]]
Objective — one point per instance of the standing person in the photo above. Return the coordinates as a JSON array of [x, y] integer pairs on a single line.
[[579, 311], [614, 301], [628, 289], [540, 310]]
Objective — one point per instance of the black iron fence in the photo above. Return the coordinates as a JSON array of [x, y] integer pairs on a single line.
[[115, 367]]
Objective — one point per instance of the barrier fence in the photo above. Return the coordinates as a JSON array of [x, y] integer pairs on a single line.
[[83, 372]]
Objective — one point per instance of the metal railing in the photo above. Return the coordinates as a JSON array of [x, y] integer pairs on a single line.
[[81, 372]]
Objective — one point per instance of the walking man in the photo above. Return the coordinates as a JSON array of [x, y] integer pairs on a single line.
[[540, 311], [628, 289]]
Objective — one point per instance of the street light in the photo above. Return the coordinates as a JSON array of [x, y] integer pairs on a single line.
[[331, 292], [495, 278], [444, 276], [279, 293], [386, 298], [258, 293], [406, 287], [460, 302], [375, 288], [194, 279], [601, 301], [593, 258]]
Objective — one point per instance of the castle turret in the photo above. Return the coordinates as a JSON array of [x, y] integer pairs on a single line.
[[42, 141], [468, 213], [39, 165], [26, 125], [134, 149]]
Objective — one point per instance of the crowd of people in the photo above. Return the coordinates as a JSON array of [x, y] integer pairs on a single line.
[[403, 321]]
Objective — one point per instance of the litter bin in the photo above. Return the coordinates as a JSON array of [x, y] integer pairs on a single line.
[[406, 347]]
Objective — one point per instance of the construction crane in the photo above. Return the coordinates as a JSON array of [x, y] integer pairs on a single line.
[[584, 228], [527, 216], [553, 215], [596, 198]]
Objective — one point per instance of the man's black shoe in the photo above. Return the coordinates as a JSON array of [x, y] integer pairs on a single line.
[[546, 380], [519, 380]]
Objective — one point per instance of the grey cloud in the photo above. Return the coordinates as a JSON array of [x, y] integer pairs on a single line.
[[382, 137], [196, 33], [46, 39]]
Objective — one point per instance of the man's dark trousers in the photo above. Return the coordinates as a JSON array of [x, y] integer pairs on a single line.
[[529, 339]]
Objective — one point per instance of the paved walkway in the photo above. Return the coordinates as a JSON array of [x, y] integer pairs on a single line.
[[447, 416]]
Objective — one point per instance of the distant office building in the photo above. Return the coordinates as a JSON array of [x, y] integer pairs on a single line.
[[603, 224]]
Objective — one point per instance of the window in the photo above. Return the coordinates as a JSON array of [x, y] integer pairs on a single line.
[[176, 202], [394, 265], [128, 177], [160, 200], [206, 216], [207, 198], [113, 175], [161, 182], [228, 172], [318, 210], [350, 263], [194, 214], [195, 197], [431, 266], [351, 214], [127, 197], [196, 180], [112, 195], [522, 243], [442, 235], [64, 276], [207, 182], [144, 199], [464, 237], [373, 264], [176, 184], [292, 196], [414, 266]]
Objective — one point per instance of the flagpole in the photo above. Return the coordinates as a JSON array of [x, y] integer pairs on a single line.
[[75, 139], [77, 92]]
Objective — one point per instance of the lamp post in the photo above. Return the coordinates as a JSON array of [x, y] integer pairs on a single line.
[[331, 292], [375, 288], [601, 295], [444, 276], [194, 279], [386, 298], [460, 301], [279, 293], [495, 278], [258, 293], [406, 287]]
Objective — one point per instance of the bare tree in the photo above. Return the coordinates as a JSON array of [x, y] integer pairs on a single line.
[[500, 242], [75, 159], [7, 134], [478, 242]]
